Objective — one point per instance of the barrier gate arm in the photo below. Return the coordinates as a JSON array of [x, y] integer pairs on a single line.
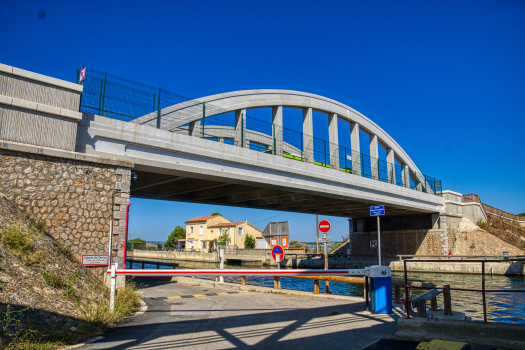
[[372, 271]]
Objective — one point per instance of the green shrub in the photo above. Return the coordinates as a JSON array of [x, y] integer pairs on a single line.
[[53, 280], [249, 242]]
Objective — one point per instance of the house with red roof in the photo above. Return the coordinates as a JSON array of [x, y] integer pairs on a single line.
[[202, 231]]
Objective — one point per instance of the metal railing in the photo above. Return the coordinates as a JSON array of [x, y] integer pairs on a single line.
[[123, 99], [483, 290], [457, 257]]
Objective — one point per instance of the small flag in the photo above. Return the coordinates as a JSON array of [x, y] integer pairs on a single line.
[[82, 75]]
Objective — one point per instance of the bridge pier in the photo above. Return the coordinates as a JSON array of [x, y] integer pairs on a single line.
[[277, 121], [240, 128], [391, 165]]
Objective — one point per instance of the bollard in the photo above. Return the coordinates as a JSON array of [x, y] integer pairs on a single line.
[[113, 287], [243, 280], [397, 294], [221, 255], [316, 286], [447, 300], [433, 304]]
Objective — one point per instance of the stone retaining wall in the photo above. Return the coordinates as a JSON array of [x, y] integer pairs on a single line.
[[75, 199]]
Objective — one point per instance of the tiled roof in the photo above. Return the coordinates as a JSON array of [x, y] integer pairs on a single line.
[[227, 224], [255, 227], [202, 218]]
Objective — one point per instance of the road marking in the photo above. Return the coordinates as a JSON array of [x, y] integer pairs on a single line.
[[175, 297], [222, 293], [199, 295]]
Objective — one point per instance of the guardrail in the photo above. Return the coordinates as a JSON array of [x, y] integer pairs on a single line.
[[483, 290], [458, 257]]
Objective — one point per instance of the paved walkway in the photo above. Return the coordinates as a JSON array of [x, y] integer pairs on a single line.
[[206, 318]]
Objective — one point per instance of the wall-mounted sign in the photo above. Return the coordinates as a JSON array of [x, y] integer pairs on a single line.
[[95, 260]]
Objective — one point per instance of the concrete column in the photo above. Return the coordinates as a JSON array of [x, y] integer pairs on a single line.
[[240, 128], [374, 156], [308, 132], [333, 136], [193, 129], [391, 166], [405, 174], [277, 121], [356, 148]]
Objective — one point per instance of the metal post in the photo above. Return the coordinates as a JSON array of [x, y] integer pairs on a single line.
[[104, 92], [317, 233], [362, 165], [345, 161], [100, 97], [110, 242], [274, 149], [379, 241], [408, 305], [325, 153], [242, 130], [113, 287], [78, 75], [203, 117], [154, 98], [277, 280], [221, 254], [158, 111], [483, 291], [327, 291], [367, 301], [302, 146]]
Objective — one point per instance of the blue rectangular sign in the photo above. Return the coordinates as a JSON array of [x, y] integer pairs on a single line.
[[377, 210]]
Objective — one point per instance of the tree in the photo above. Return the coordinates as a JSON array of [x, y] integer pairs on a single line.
[[249, 242], [137, 243], [175, 235], [522, 214], [224, 237], [215, 214], [138, 240], [159, 246], [295, 244]]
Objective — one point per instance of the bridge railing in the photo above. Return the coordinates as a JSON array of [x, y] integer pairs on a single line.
[[123, 99]]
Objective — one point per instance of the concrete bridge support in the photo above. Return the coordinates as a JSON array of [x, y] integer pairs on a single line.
[[391, 165], [356, 148], [240, 128], [374, 156], [277, 122], [308, 131], [333, 135]]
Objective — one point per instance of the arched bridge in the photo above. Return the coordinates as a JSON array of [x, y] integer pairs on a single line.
[[177, 157]]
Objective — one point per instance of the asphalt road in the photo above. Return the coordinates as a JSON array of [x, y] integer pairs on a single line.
[[216, 319]]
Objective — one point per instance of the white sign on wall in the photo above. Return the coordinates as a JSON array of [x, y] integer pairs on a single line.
[[95, 260]]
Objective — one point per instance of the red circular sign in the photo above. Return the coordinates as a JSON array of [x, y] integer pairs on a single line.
[[277, 250], [324, 226]]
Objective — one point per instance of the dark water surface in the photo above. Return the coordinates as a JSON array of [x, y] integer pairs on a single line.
[[501, 307]]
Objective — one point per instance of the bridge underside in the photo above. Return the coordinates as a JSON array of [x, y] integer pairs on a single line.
[[183, 187]]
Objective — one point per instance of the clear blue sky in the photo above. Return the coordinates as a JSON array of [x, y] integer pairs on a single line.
[[446, 79]]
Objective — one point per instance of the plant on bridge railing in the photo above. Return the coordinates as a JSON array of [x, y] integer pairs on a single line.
[[249, 242]]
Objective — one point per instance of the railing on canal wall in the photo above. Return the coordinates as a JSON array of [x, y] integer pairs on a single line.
[[467, 258]]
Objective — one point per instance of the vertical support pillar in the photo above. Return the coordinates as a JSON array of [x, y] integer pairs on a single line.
[[240, 128], [308, 135], [391, 165], [333, 136], [356, 148], [277, 121], [405, 175], [374, 156]]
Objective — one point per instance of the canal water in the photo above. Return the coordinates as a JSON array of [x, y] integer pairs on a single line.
[[501, 307]]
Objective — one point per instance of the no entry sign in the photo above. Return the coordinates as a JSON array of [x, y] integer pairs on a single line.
[[324, 226], [278, 251]]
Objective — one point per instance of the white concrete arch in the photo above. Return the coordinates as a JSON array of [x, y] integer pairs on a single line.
[[187, 112]]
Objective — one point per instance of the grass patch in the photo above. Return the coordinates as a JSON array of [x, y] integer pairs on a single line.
[[70, 291], [67, 253], [53, 280], [21, 240], [481, 224]]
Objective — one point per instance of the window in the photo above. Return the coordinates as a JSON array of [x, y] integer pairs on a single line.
[[201, 230], [191, 230], [239, 231], [204, 244]]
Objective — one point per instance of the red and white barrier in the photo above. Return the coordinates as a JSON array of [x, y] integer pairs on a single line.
[[226, 272]]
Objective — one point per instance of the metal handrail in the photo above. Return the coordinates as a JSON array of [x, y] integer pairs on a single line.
[[457, 257]]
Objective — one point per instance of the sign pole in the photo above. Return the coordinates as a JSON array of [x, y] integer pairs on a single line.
[[317, 233], [379, 241]]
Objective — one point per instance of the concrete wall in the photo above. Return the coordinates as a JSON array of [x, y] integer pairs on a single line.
[[196, 256], [38, 110], [409, 242], [73, 194], [471, 210]]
